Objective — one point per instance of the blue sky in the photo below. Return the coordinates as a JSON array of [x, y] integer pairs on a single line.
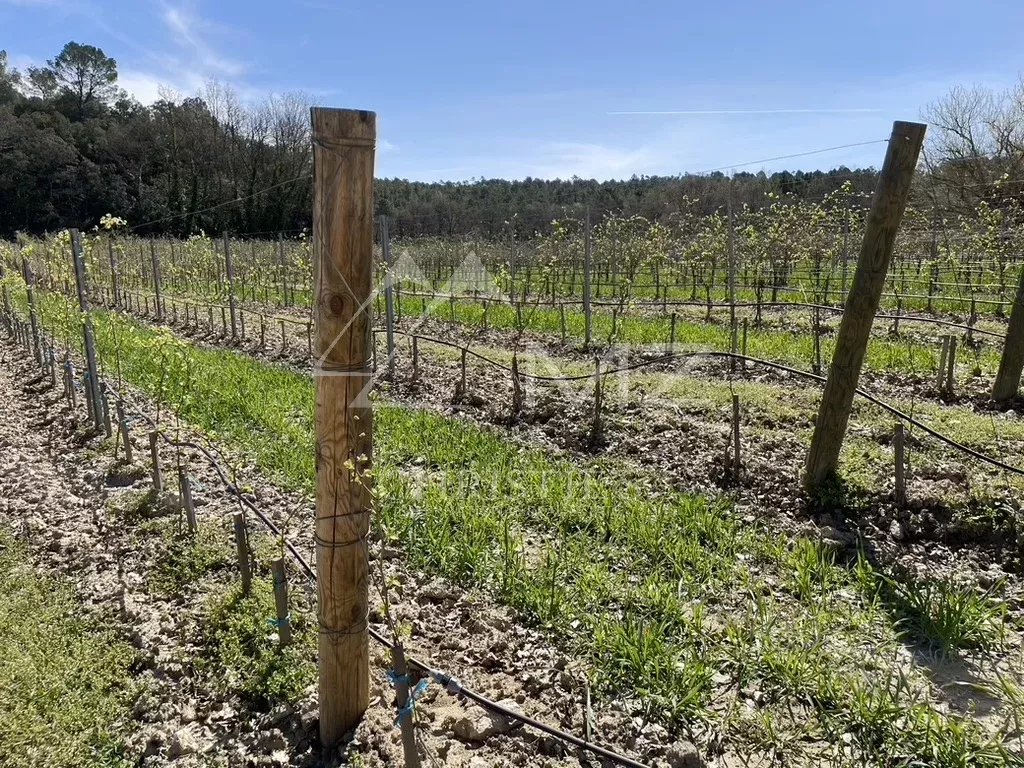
[[476, 89]]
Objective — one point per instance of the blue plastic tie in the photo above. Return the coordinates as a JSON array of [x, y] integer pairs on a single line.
[[404, 713]]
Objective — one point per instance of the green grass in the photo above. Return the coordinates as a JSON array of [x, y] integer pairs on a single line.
[[65, 683], [788, 347], [670, 597], [187, 558], [241, 652]]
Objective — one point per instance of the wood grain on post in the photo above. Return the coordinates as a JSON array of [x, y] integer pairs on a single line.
[[284, 622], [343, 157], [156, 279], [887, 207], [898, 443], [588, 257], [242, 552], [1011, 364], [87, 329], [229, 270]]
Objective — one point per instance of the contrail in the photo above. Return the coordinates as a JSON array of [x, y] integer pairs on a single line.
[[745, 111]]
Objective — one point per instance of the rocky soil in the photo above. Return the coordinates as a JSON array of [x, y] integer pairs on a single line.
[[62, 491]]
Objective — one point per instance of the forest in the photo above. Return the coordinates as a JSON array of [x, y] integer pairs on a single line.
[[75, 146]]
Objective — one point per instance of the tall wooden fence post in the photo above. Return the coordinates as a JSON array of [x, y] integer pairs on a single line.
[[343, 154], [6, 297], [89, 338], [155, 259], [115, 285], [229, 269], [1011, 364], [588, 258], [887, 207], [389, 293], [33, 313]]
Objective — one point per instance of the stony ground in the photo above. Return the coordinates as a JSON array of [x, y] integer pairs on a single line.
[[682, 442], [63, 493]]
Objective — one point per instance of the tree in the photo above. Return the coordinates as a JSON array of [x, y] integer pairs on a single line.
[[82, 73], [10, 81], [977, 139]]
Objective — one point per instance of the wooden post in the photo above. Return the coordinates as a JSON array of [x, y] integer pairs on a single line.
[[1011, 364], [104, 406], [517, 390], [887, 206], [743, 347], [69, 383], [415, 359], [596, 428], [33, 313], [8, 313], [588, 258], [343, 155], [736, 436], [462, 378], [154, 460], [242, 552], [229, 268], [159, 308], [940, 369], [122, 427], [284, 620], [898, 453], [185, 488], [284, 270], [389, 294], [732, 285], [90, 342], [951, 365], [405, 722]]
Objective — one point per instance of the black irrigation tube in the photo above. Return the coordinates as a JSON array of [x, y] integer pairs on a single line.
[[451, 684], [671, 356]]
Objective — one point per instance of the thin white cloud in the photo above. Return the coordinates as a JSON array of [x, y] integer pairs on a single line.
[[840, 111], [185, 26]]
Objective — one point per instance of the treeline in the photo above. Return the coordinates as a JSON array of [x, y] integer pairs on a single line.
[[74, 146]]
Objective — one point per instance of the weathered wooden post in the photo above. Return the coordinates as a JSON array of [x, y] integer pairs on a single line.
[[33, 312], [343, 155], [736, 437], [242, 552], [154, 461], [122, 426], [887, 207], [284, 269], [898, 448], [229, 269], [89, 337], [284, 622], [389, 293], [588, 258], [1011, 364], [187, 505], [155, 259]]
